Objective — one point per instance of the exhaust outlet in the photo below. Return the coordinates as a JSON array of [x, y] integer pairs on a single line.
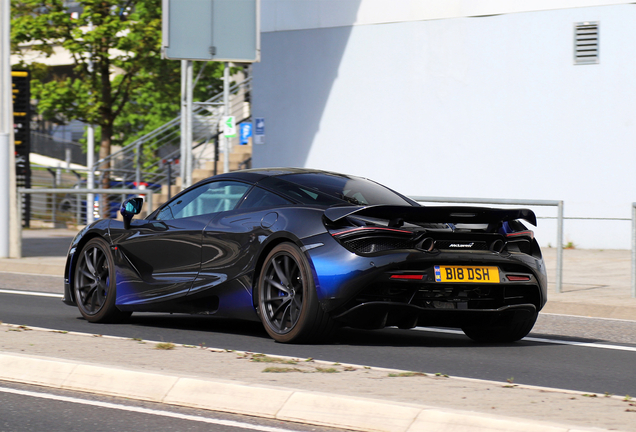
[[427, 244], [497, 246]]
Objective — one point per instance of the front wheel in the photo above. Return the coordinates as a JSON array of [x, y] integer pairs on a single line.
[[510, 331], [287, 299], [94, 283]]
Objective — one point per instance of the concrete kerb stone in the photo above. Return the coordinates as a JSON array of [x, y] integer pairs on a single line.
[[235, 398], [368, 415], [437, 420], [348, 412], [120, 382], [31, 370]]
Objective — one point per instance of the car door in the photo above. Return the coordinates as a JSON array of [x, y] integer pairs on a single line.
[[164, 252], [230, 242]]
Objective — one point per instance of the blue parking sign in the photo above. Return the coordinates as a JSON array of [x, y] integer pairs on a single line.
[[245, 132]]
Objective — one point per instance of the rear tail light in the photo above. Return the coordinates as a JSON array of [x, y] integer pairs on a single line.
[[517, 234], [366, 240], [370, 230], [518, 278], [408, 277]]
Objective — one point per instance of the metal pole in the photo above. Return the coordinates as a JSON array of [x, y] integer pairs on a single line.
[[53, 206], [189, 92], [90, 180], [19, 230], [90, 155], [170, 178], [138, 166], [216, 152], [559, 269], [226, 111], [5, 148], [184, 118], [634, 250], [6, 122]]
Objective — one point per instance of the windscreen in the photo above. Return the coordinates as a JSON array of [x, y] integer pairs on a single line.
[[354, 190]]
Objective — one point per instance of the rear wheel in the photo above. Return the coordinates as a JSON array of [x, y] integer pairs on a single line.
[[511, 331], [287, 299], [94, 283]]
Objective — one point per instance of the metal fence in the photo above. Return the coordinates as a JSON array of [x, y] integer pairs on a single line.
[[61, 207], [516, 202]]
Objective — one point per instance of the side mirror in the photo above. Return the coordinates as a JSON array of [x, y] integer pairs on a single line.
[[129, 208]]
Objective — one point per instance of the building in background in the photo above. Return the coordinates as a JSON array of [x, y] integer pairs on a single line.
[[461, 99]]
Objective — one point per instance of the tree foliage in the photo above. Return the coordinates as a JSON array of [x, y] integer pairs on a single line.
[[119, 81]]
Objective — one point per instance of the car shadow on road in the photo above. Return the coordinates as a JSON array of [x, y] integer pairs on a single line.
[[197, 323], [393, 337], [204, 328]]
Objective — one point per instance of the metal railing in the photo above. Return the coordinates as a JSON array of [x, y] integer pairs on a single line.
[[519, 202], [131, 162], [53, 205]]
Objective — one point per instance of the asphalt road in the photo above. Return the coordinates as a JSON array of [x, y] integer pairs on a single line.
[[30, 408], [581, 368]]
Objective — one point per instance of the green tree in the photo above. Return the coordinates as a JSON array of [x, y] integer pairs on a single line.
[[129, 89]]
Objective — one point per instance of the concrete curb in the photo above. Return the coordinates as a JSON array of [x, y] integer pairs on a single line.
[[368, 415]]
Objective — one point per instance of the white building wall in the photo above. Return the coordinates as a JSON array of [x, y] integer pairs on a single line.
[[486, 106]]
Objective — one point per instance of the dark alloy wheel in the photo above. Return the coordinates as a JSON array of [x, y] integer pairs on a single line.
[[511, 331], [94, 283], [287, 300]]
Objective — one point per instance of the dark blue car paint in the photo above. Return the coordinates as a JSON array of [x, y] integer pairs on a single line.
[[209, 264]]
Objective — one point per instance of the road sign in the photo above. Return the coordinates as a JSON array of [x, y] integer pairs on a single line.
[[259, 130], [229, 126], [245, 132], [21, 87], [219, 30]]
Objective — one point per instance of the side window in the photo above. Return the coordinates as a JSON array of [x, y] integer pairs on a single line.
[[261, 198], [208, 198]]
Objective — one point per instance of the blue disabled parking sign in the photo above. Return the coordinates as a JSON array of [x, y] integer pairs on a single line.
[[245, 132]]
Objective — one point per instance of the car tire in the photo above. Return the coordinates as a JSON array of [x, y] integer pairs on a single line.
[[511, 331], [287, 300], [95, 284]]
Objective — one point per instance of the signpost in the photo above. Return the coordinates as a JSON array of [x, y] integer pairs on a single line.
[[21, 84], [209, 30], [7, 179]]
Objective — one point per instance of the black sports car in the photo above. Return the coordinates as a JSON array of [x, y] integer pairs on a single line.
[[307, 251]]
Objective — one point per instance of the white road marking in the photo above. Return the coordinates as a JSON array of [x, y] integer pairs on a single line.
[[533, 339], [31, 293], [230, 423]]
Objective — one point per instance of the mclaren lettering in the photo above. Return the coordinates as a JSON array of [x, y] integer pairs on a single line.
[[461, 245]]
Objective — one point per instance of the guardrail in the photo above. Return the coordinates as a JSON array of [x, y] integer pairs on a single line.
[[520, 202], [78, 192]]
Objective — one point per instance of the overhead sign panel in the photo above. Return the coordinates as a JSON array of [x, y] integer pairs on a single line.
[[219, 30]]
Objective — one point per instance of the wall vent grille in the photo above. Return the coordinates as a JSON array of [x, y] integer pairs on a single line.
[[586, 43]]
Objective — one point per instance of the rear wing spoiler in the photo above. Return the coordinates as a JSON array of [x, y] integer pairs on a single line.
[[440, 214]]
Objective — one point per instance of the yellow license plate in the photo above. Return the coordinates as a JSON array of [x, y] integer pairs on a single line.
[[476, 274]]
